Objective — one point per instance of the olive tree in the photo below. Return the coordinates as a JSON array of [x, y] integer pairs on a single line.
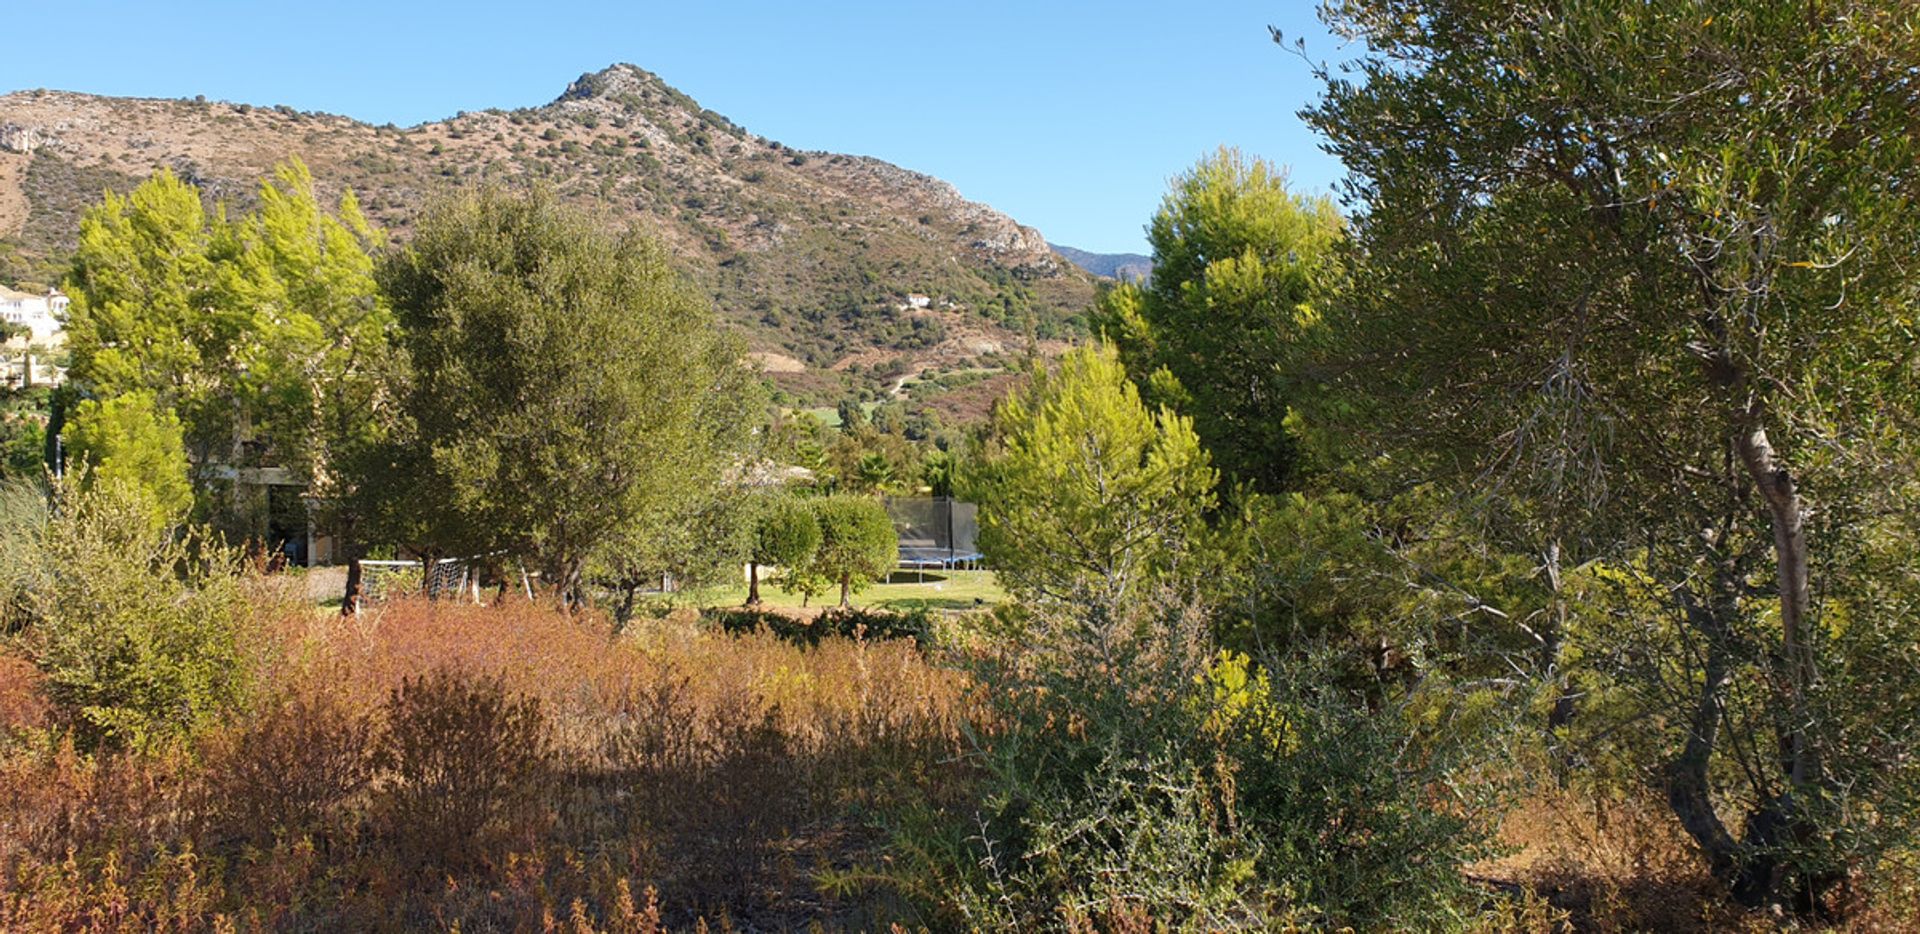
[[562, 386]]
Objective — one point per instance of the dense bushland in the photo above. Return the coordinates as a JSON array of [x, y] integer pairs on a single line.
[[1136, 780]]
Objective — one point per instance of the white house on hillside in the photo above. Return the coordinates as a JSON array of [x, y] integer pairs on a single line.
[[41, 316], [40, 313]]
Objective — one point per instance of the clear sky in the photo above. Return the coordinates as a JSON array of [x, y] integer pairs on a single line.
[[1069, 116]]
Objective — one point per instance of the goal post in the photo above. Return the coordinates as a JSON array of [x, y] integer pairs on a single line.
[[384, 580]]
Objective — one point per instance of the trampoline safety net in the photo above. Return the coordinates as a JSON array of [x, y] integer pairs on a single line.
[[935, 531]]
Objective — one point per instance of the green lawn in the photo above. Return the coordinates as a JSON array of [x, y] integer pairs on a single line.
[[937, 590], [940, 590]]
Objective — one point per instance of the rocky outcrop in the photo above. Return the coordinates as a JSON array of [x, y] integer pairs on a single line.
[[994, 235], [24, 139], [1015, 245]]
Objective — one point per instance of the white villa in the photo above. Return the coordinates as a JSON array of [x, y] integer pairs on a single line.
[[42, 316], [41, 313]]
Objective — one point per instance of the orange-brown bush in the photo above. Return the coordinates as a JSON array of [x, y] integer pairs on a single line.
[[1606, 862], [295, 767], [23, 705], [460, 757], [437, 765]]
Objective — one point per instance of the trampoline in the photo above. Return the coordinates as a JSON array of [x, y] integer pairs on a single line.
[[935, 532]]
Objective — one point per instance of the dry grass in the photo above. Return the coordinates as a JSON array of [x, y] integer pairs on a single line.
[[439, 766], [431, 766], [1607, 863]]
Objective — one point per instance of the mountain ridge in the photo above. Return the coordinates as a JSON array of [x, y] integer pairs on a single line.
[[844, 264], [1127, 267]]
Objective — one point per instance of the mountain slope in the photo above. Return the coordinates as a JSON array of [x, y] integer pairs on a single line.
[[814, 255], [1128, 267]]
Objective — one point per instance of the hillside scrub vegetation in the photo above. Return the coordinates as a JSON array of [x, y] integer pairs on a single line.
[[807, 254]]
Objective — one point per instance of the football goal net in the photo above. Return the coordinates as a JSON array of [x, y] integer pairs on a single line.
[[446, 577]]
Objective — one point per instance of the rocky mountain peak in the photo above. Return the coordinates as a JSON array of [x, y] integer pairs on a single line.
[[612, 83], [807, 252]]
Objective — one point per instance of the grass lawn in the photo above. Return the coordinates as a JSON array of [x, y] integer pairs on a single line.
[[932, 589], [939, 590]]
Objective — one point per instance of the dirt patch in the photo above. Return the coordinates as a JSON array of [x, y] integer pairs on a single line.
[[777, 362], [974, 401], [14, 206], [865, 358], [327, 583]]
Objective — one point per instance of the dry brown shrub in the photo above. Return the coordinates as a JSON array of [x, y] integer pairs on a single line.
[[23, 705], [463, 763], [1610, 863], [294, 768]]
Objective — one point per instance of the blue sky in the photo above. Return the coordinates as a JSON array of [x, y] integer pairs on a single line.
[[1068, 116]]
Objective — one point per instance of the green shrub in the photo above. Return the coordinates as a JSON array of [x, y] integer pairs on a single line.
[[137, 631], [23, 566], [847, 622], [914, 623], [1138, 781]]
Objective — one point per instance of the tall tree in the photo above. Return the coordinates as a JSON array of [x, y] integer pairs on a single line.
[[1086, 496], [265, 334], [560, 374], [1645, 270], [1240, 263], [314, 365], [145, 314]]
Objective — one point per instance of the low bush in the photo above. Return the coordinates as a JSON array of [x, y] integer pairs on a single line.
[[296, 768], [1135, 780], [844, 622], [461, 762]]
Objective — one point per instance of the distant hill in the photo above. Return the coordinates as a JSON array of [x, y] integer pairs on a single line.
[[813, 255], [1127, 267]]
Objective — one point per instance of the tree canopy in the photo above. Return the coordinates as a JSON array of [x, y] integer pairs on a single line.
[[785, 534], [1641, 276], [566, 386], [265, 335], [1240, 263], [1085, 494], [857, 542], [129, 443]]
